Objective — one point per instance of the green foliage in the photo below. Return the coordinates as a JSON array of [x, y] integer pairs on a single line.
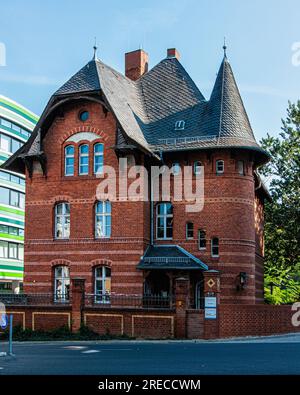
[[282, 226], [62, 333]]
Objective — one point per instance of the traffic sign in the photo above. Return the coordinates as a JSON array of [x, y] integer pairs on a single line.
[[3, 321]]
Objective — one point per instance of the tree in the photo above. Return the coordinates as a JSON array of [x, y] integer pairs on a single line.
[[282, 226]]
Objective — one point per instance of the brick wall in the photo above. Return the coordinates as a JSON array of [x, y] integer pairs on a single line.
[[41, 317], [255, 320], [233, 321], [195, 324]]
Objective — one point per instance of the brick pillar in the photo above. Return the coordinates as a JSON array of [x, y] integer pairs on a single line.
[[182, 303], [212, 289], [77, 302]]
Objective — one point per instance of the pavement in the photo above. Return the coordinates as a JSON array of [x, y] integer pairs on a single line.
[[276, 355]]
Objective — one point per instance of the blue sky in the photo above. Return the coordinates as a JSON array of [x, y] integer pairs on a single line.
[[47, 42]]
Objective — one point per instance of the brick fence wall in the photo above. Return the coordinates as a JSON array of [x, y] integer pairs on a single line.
[[233, 320], [41, 317], [255, 320], [150, 324], [141, 323]]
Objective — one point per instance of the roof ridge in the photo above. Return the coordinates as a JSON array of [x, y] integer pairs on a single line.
[[222, 98]]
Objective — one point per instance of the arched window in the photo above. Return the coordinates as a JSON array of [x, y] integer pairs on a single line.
[[83, 159], [69, 160], [98, 158], [197, 167], [62, 221], [189, 230], [201, 239], [103, 219], [61, 283], [219, 166], [102, 285], [215, 247], [164, 221]]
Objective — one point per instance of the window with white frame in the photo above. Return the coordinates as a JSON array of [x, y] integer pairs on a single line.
[[9, 250], [164, 221], [62, 221], [69, 160], [103, 219], [189, 230], [98, 158], [240, 167], [102, 285], [83, 159], [12, 197], [215, 247], [61, 283], [219, 166], [197, 167], [201, 239]]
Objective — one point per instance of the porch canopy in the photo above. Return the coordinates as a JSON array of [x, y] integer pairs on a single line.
[[169, 257]]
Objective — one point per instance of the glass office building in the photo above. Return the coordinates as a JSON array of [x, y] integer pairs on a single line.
[[16, 125]]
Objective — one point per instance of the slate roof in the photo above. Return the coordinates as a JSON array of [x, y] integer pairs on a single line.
[[170, 257], [148, 108]]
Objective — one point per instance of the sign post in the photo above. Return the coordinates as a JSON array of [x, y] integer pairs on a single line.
[[10, 348]]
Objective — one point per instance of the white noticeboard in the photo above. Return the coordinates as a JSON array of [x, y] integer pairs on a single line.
[[210, 301], [210, 314]]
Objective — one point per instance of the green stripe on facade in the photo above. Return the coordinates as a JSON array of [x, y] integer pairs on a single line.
[[12, 210], [19, 135], [9, 267], [8, 274], [13, 107], [12, 221], [11, 237], [4, 157]]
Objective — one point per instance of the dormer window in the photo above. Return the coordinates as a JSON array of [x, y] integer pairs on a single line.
[[179, 125]]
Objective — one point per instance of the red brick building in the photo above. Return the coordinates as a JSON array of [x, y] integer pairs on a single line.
[[123, 247]]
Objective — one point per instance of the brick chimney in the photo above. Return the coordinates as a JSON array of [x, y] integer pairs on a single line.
[[173, 53], [136, 64]]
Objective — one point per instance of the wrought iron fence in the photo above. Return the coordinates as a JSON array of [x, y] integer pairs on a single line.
[[135, 301], [34, 299], [100, 300]]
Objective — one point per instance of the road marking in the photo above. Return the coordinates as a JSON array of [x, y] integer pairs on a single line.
[[90, 351], [75, 347], [116, 349]]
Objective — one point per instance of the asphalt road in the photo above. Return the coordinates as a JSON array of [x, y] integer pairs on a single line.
[[277, 356]]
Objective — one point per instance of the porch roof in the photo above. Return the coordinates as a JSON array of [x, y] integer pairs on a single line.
[[170, 257]]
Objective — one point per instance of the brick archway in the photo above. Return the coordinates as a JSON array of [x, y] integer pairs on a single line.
[[100, 262], [81, 129]]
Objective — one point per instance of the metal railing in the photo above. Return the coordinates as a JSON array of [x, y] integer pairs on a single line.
[[34, 299], [134, 301], [113, 300]]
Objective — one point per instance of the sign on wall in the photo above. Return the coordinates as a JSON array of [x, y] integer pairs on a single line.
[[210, 313], [210, 307]]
